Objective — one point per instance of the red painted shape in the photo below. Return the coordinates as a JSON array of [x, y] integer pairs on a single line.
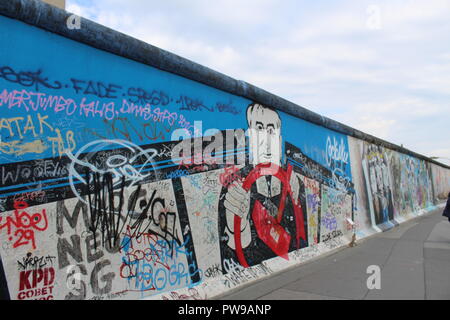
[[268, 228]]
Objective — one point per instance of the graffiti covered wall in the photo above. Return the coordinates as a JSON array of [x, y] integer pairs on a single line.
[[392, 187], [122, 181], [441, 181]]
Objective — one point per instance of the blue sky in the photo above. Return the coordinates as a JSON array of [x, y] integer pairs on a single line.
[[382, 67]]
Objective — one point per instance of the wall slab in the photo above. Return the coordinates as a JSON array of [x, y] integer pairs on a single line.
[[122, 180]]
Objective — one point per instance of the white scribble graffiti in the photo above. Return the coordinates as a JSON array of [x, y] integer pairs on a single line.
[[118, 165], [336, 155]]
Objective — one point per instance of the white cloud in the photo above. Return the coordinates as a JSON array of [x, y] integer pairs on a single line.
[[81, 10], [377, 126], [320, 55], [406, 107]]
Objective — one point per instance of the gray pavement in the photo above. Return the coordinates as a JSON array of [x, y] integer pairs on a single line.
[[414, 259]]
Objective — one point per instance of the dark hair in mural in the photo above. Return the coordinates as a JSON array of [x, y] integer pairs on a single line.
[[256, 108]]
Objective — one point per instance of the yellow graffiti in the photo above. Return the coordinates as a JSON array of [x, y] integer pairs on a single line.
[[21, 128], [376, 155], [312, 223], [15, 147], [16, 127]]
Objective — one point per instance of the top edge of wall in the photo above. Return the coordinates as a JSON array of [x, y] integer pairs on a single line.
[[53, 19]]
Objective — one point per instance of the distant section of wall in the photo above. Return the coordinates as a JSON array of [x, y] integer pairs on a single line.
[[391, 187], [120, 180], [441, 181]]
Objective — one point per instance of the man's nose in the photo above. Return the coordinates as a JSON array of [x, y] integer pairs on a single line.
[[268, 143]]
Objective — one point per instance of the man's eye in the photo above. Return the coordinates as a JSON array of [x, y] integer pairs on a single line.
[[270, 131], [259, 127]]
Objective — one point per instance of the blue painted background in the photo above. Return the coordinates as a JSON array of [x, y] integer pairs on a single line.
[[61, 59]]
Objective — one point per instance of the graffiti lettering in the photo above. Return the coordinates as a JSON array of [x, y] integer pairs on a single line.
[[28, 78], [28, 285], [141, 96], [336, 154], [35, 262], [25, 225], [96, 88], [193, 295], [227, 107], [190, 104]]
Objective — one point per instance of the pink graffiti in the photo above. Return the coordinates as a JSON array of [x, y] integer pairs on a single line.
[[35, 101], [193, 295]]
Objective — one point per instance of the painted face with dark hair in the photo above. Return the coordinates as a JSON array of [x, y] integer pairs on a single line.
[[264, 134]]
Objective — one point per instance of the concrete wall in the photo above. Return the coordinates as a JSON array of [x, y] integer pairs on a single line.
[[121, 180]]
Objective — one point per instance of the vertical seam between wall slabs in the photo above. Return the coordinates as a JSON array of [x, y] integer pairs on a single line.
[[186, 231]]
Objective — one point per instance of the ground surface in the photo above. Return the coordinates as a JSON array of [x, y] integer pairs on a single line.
[[414, 259]]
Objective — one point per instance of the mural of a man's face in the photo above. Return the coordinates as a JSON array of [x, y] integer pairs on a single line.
[[264, 134]]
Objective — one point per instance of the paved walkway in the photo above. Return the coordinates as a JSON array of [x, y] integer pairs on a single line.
[[414, 259]]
